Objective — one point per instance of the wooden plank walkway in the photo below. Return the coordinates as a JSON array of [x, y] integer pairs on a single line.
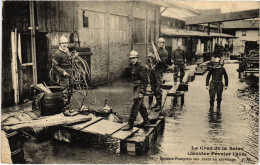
[[104, 127], [121, 135], [100, 126], [81, 126]]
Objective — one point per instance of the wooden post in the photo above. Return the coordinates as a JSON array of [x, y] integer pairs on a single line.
[[208, 28], [20, 69], [33, 47], [14, 66], [130, 18]]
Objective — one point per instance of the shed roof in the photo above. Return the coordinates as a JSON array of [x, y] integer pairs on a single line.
[[189, 33], [241, 24]]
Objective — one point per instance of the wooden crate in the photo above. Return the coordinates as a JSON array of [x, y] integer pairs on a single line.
[[142, 140]]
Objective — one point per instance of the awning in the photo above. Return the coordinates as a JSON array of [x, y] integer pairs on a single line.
[[165, 31]]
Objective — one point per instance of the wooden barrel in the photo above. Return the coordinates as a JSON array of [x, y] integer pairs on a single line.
[[15, 138], [52, 102]]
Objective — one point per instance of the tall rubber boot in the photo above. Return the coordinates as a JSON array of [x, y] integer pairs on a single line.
[[218, 105], [211, 108]]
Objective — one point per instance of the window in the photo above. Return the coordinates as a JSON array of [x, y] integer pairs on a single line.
[[85, 19], [243, 32], [138, 30], [118, 32]]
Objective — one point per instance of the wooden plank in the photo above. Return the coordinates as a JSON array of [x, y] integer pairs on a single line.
[[173, 90], [33, 46], [47, 121], [27, 64], [212, 18], [86, 124], [14, 66], [124, 134], [20, 78], [104, 127]]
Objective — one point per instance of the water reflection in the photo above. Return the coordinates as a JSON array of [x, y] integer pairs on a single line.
[[214, 118], [215, 126]]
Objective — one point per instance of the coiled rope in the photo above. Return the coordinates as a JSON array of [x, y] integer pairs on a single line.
[[80, 74]]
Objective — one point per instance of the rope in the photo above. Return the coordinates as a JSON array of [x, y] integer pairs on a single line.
[[80, 72]]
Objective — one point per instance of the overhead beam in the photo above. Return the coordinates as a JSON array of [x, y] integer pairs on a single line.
[[212, 18]]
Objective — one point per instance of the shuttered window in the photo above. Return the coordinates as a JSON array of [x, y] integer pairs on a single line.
[[118, 30]]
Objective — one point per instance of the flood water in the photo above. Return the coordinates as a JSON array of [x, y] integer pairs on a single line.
[[229, 136]]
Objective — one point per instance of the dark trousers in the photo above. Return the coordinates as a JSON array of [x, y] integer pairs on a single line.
[[178, 68], [215, 88], [67, 89], [138, 106], [156, 82]]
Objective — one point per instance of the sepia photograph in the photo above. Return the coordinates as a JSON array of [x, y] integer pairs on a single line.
[[130, 82]]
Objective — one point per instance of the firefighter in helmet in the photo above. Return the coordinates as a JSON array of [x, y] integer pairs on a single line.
[[157, 67], [178, 58], [140, 82], [62, 63], [216, 85]]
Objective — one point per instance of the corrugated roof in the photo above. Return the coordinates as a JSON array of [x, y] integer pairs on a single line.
[[189, 33]]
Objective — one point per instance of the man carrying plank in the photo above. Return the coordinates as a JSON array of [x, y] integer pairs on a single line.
[[157, 63]]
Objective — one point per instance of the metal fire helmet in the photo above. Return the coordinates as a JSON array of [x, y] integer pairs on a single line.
[[161, 40], [150, 54], [217, 60], [63, 39], [133, 54]]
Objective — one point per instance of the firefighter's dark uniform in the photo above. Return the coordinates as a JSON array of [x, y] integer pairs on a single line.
[[140, 82], [216, 84], [156, 75], [62, 62], [178, 57]]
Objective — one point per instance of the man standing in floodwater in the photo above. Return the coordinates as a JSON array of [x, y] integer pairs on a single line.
[[178, 58], [62, 63], [216, 85], [140, 82], [156, 73]]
